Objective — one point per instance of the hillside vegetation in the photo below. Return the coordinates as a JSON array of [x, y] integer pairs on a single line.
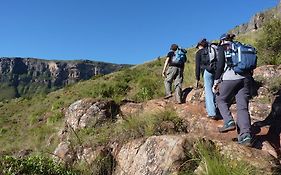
[[29, 122], [32, 123]]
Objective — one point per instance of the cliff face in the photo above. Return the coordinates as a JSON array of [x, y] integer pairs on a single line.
[[26, 76], [258, 20]]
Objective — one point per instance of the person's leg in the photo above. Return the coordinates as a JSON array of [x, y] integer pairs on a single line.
[[209, 95], [178, 85], [242, 103], [227, 90], [169, 80]]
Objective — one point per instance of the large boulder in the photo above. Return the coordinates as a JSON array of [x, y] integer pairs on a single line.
[[156, 155], [82, 114], [265, 101], [90, 112], [166, 154]]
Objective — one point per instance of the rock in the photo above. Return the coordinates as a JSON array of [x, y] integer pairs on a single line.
[[257, 158], [89, 112], [167, 153], [261, 105], [24, 153], [131, 108], [267, 71], [64, 153], [88, 155], [259, 111], [156, 155], [164, 154], [195, 95], [82, 114]]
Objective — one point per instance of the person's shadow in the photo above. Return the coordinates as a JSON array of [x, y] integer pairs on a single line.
[[273, 120], [185, 92]]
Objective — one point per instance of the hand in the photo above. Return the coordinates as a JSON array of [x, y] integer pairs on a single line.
[[164, 74], [215, 88]]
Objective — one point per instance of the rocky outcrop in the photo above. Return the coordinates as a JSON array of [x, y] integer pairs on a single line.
[[155, 155], [148, 155], [267, 154], [90, 112], [258, 20], [168, 154], [28, 75], [267, 78], [81, 114]]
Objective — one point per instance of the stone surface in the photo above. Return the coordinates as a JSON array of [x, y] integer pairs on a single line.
[[164, 154], [156, 155], [89, 112], [82, 114]]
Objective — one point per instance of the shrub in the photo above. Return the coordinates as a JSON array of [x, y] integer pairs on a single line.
[[210, 161], [33, 165], [269, 43], [147, 89], [135, 126]]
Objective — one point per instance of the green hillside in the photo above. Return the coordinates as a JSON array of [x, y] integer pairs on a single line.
[[33, 123], [29, 122]]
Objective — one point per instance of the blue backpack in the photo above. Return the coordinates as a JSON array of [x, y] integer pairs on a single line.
[[242, 58], [179, 57]]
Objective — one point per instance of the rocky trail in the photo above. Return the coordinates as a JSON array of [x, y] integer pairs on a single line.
[[164, 154]]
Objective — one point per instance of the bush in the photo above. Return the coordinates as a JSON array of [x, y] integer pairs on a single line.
[[33, 165], [269, 43], [208, 160], [135, 126], [147, 89]]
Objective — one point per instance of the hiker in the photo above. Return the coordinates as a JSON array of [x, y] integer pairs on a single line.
[[229, 84], [173, 71], [205, 61]]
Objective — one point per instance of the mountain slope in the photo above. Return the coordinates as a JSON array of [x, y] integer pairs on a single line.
[[24, 77], [34, 123], [258, 20]]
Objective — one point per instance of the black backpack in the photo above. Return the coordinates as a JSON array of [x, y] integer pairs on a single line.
[[209, 58]]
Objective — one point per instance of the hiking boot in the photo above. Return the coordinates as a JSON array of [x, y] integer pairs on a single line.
[[229, 126], [168, 96], [246, 140]]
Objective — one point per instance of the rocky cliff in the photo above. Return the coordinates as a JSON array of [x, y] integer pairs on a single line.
[[258, 20], [26, 76]]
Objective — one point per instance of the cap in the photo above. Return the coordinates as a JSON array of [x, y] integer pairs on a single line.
[[223, 36], [203, 42], [174, 47]]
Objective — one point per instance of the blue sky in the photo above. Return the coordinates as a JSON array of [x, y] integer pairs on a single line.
[[117, 31]]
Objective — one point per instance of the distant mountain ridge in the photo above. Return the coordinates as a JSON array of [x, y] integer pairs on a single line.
[[28, 76], [258, 20]]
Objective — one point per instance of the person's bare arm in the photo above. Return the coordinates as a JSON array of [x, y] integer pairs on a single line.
[[165, 67]]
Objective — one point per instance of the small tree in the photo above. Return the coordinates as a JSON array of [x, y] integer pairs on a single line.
[[269, 44]]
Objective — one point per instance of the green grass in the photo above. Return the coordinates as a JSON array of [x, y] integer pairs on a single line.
[[43, 113], [212, 162], [135, 126], [33, 122], [36, 164]]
